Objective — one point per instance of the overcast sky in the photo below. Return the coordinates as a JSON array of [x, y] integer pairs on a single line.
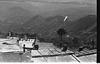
[[89, 1], [54, 6]]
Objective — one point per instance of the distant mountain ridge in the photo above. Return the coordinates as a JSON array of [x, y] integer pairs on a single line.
[[49, 25], [82, 23]]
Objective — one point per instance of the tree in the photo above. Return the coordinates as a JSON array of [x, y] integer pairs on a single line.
[[61, 32], [76, 43], [10, 34]]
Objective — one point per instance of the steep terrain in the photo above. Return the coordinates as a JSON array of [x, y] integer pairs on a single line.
[[14, 14], [83, 23]]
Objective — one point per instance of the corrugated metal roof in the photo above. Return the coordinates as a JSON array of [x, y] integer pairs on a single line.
[[46, 53], [52, 55]]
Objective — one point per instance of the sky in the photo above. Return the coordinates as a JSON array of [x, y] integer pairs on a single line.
[[45, 6], [51, 3], [88, 1]]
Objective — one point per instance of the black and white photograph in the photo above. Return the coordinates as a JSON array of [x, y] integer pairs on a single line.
[[35, 31]]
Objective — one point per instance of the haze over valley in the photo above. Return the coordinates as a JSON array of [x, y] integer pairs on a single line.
[[39, 16]]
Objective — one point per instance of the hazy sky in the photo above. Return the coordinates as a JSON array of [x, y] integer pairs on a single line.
[[45, 6], [89, 1]]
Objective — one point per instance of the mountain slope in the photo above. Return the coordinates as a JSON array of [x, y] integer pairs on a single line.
[[43, 25], [14, 18], [82, 24]]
